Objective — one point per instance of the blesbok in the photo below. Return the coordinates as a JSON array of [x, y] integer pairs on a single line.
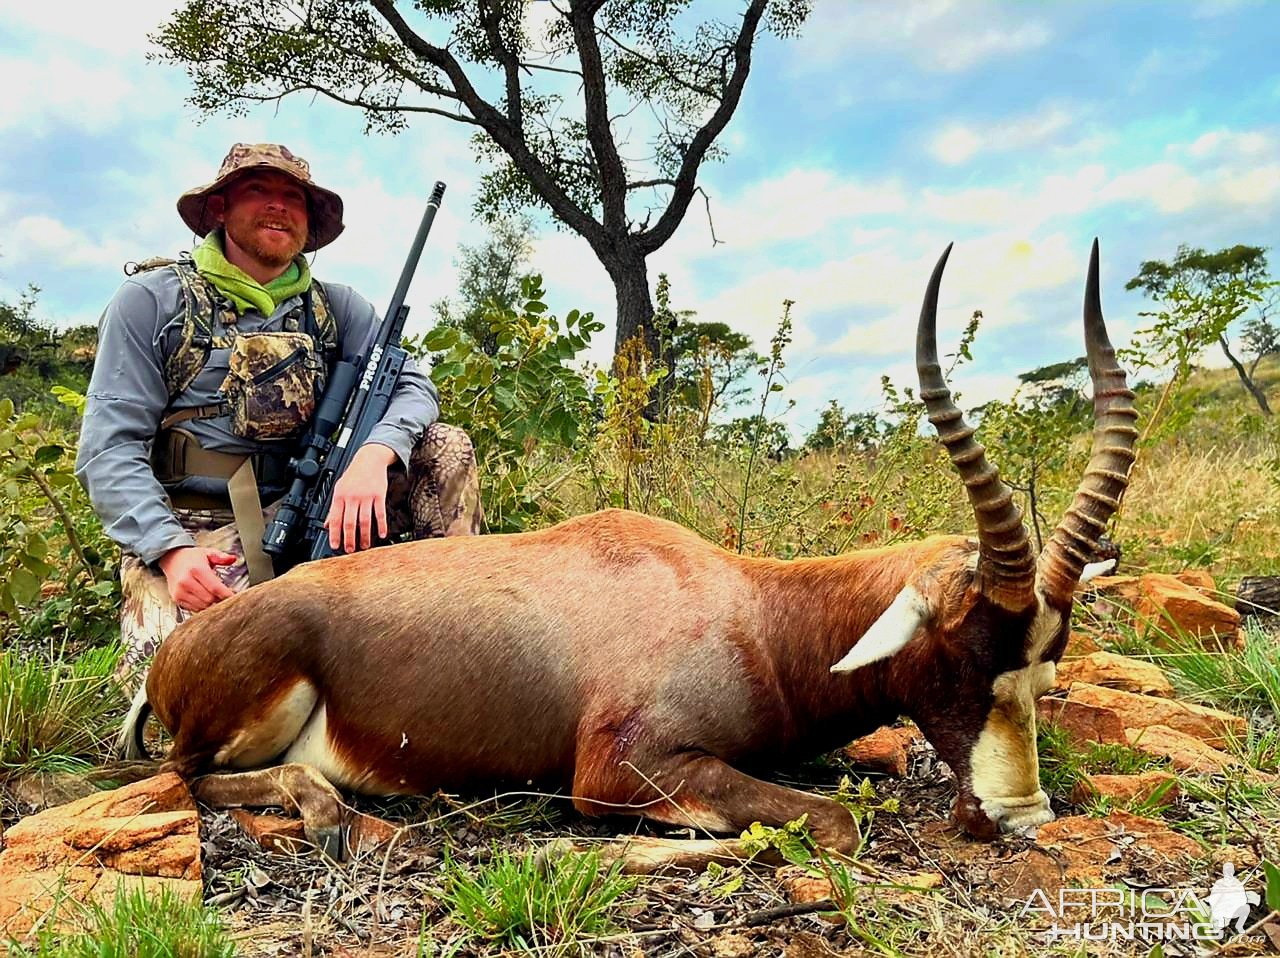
[[628, 659]]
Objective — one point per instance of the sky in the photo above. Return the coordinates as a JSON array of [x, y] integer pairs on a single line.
[[1018, 130]]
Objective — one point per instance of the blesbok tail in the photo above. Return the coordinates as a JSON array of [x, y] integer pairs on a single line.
[[129, 744]]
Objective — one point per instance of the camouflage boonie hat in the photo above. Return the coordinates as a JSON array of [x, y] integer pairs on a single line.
[[324, 209]]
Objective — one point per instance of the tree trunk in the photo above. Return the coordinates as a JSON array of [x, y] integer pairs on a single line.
[[630, 275], [1245, 378]]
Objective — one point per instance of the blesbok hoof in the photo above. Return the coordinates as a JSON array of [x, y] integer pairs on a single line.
[[330, 841]]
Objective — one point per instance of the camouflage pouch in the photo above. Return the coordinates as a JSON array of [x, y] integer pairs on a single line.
[[273, 384]]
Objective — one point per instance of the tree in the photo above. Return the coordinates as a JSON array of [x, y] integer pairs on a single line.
[[1203, 293], [615, 55], [489, 278], [837, 429]]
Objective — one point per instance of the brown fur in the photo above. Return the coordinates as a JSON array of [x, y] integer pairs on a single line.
[[615, 653]]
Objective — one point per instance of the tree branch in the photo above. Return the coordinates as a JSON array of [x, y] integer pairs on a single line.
[[652, 239], [490, 15], [499, 128], [613, 176], [661, 64]]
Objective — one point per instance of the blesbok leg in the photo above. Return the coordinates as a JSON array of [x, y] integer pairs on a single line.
[[704, 792], [297, 788]]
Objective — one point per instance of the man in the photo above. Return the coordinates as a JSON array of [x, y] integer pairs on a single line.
[[208, 370]]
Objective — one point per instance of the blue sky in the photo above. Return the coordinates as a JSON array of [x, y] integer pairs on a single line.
[[1018, 130]]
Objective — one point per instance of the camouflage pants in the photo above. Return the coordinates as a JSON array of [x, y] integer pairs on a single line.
[[437, 495]]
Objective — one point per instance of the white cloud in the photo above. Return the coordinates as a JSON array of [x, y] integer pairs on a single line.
[[959, 142], [946, 36]]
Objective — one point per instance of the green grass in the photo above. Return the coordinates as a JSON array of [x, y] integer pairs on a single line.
[[56, 713], [1063, 762], [138, 924], [555, 907]]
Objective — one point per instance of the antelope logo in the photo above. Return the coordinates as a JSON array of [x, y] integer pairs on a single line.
[[627, 660]]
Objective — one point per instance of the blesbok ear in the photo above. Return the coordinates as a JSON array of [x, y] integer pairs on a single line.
[[889, 633], [1094, 569]]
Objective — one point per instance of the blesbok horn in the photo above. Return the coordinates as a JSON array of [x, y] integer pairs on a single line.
[[1074, 542], [1006, 562]]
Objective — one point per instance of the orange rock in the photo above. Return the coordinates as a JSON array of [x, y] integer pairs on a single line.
[[146, 833], [367, 832], [1078, 644], [800, 885], [1084, 723], [1185, 752], [1117, 672], [1212, 726], [1087, 844], [884, 750], [1166, 603], [1123, 587], [1128, 788], [1200, 580], [275, 833]]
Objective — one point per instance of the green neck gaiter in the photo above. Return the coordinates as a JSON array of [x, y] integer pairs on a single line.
[[243, 290]]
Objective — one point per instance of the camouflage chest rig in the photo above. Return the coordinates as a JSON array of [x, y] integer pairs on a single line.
[[209, 322]]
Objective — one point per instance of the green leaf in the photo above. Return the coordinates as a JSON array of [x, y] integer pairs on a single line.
[[26, 422], [24, 586], [443, 371], [7, 439], [536, 307], [38, 567], [37, 546], [103, 589], [6, 409], [571, 318], [1273, 885], [61, 479], [442, 337], [48, 454]]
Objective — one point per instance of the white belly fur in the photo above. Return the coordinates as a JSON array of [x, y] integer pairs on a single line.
[[312, 747]]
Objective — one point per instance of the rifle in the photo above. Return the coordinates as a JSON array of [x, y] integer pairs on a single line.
[[353, 402]]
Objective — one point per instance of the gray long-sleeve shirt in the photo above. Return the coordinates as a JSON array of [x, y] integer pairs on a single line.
[[127, 398]]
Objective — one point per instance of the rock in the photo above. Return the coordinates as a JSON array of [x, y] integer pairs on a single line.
[[801, 886], [1128, 788], [884, 750], [1123, 587], [1092, 848], [1078, 644], [1084, 723], [275, 833], [368, 833], [1200, 580], [1115, 672], [1212, 726], [1187, 753], [1166, 603], [641, 855], [146, 833]]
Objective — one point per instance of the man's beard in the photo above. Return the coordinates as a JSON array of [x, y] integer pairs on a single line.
[[275, 256]]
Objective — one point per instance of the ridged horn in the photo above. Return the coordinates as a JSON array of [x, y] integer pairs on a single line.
[[1006, 562], [1115, 436]]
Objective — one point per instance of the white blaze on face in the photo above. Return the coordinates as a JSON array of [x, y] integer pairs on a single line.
[[1004, 764]]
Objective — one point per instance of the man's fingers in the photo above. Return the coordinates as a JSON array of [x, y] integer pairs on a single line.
[[333, 522], [218, 557], [366, 526], [380, 512], [217, 589], [350, 521]]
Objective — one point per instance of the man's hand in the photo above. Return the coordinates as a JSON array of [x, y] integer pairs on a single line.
[[192, 582], [359, 496]]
